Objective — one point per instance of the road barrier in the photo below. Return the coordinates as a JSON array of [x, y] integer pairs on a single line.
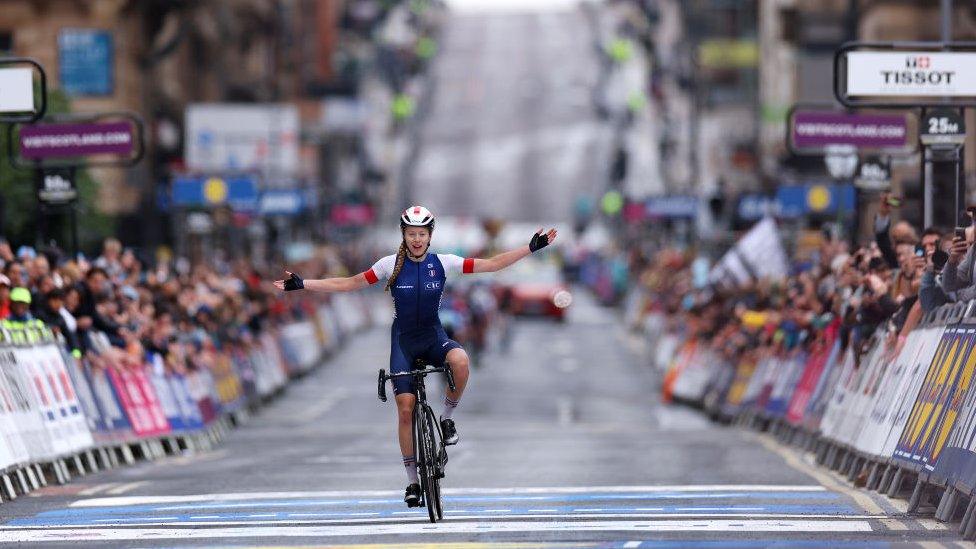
[[62, 416], [900, 421]]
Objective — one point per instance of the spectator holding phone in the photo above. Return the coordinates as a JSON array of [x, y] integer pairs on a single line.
[[958, 273]]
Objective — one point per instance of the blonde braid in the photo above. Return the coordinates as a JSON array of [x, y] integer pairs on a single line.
[[401, 257]]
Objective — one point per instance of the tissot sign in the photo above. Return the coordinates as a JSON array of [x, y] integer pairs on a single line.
[[899, 75], [911, 73]]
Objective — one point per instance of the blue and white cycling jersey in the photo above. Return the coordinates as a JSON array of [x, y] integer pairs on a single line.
[[418, 288]]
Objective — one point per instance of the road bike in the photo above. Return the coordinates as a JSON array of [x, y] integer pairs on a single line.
[[428, 440]]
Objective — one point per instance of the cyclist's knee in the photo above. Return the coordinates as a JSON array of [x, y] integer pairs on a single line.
[[458, 358], [405, 404], [405, 417]]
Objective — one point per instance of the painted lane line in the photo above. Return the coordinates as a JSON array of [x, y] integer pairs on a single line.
[[497, 511], [632, 544], [423, 519], [543, 510], [146, 534], [128, 487], [96, 489], [264, 515], [701, 509], [791, 459], [137, 500], [135, 519], [203, 517], [61, 517], [819, 495]]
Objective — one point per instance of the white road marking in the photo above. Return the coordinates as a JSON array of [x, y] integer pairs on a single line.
[[861, 498], [719, 508], [543, 510], [96, 489], [564, 407], [568, 364], [199, 517], [127, 487], [324, 404], [148, 500], [632, 544], [701, 525], [416, 517], [134, 519]]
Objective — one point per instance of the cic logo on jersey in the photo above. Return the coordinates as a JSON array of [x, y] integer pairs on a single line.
[[432, 285]]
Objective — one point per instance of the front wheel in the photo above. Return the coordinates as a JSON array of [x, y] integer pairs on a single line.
[[426, 467], [434, 466]]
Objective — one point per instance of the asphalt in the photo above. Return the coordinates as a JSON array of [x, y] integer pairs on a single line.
[[563, 440], [512, 133]]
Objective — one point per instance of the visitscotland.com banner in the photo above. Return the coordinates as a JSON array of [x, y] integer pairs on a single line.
[[40, 141]]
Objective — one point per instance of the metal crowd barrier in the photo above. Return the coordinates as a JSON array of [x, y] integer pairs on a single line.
[[903, 424], [62, 416]]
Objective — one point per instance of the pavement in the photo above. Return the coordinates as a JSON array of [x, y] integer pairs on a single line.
[[564, 443]]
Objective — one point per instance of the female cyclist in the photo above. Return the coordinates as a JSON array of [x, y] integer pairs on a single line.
[[416, 278]]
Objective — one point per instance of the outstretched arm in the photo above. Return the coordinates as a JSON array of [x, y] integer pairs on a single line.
[[506, 259], [338, 284]]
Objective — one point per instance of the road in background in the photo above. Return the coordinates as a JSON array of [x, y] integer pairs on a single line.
[[512, 133]]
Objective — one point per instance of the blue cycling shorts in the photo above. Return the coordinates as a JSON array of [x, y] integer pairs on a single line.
[[430, 344]]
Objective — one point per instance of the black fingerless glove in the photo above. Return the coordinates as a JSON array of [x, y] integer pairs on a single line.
[[295, 282], [538, 242]]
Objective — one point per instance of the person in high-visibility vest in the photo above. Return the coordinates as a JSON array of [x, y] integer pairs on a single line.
[[20, 315]]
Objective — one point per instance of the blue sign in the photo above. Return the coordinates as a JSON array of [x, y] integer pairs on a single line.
[[798, 200], [825, 199], [756, 206], [282, 202], [239, 192], [85, 61], [672, 206]]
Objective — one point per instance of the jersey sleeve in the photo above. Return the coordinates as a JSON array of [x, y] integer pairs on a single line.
[[381, 270], [454, 265]]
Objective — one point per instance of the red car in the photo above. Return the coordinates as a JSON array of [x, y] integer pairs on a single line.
[[533, 288]]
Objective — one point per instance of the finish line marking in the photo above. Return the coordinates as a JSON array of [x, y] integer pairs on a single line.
[[146, 534], [142, 500], [400, 519]]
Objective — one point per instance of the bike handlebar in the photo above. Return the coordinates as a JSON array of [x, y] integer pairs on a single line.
[[383, 377]]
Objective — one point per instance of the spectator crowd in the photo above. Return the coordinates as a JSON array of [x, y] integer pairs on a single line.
[[881, 289], [117, 308]]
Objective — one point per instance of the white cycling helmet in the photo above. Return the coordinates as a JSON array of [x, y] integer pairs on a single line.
[[417, 216]]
